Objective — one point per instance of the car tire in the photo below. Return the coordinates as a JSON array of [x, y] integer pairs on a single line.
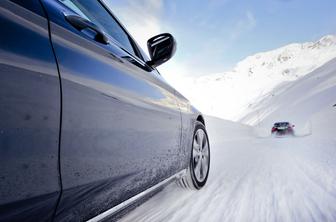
[[199, 164]]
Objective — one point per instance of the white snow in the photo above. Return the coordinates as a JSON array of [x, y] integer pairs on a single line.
[[307, 103], [255, 177], [228, 95]]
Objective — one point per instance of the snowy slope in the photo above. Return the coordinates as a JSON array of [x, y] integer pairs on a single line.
[[308, 103], [228, 95]]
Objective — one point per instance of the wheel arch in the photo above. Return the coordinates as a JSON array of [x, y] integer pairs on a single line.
[[200, 118]]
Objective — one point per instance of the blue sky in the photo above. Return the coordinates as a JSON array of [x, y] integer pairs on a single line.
[[214, 35]]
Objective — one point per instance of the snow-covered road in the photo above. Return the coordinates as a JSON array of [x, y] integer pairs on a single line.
[[254, 179]]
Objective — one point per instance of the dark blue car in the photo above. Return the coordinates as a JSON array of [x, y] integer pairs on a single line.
[[88, 127]]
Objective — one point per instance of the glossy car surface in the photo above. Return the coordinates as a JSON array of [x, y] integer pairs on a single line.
[[86, 121], [282, 128]]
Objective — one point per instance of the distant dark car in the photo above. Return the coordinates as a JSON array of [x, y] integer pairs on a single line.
[[283, 128], [88, 126]]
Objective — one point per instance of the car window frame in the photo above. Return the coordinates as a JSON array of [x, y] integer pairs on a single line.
[[137, 51], [141, 57], [137, 55]]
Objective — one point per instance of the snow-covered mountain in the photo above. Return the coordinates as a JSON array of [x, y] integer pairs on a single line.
[[230, 94], [309, 103]]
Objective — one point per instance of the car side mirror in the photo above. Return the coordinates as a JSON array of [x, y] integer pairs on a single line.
[[161, 48], [293, 126]]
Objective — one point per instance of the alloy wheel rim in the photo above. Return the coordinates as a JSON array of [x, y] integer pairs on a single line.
[[200, 155]]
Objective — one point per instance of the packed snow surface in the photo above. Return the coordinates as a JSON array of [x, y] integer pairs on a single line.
[[257, 177]]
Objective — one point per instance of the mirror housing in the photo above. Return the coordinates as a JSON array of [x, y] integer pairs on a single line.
[[161, 48]]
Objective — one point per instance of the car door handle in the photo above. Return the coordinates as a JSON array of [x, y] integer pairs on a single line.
[[81, 24]]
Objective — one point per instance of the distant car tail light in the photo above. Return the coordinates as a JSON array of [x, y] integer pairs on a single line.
[[273, 129]]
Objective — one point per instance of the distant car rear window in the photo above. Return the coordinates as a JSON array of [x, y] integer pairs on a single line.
[[284, 124]]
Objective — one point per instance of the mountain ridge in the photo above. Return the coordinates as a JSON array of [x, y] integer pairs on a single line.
[[285, 55], [229, 94]]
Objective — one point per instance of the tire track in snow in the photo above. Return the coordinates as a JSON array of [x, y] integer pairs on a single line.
[[253, 180]]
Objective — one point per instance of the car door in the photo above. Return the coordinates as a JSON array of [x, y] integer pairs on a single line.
[[121, 125], [29, 114]]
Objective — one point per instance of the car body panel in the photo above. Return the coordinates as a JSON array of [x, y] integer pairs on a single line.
[[121, 126], [29, 114], [189, 115], [84, 126]]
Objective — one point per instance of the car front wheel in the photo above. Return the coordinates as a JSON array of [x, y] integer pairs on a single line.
[[198, 170]]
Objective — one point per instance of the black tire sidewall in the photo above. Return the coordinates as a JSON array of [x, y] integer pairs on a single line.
[[198, 185]]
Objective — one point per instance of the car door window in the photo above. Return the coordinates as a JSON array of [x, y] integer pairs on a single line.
[[96, 13]]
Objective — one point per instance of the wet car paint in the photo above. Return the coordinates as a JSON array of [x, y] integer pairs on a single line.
[[124, 129], [121, 130], [29, 115]]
